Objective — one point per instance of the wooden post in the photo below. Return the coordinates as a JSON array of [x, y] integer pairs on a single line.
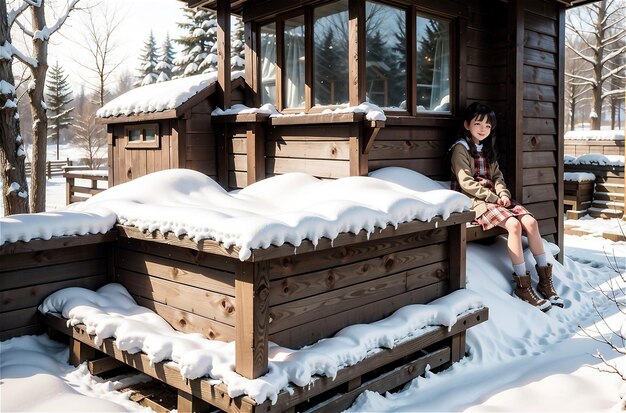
[[187, 403], [457, 244], [223, 53], [69, 189], [80, 352], [356, 52], [255, 141], [252, 65], [252, 318]]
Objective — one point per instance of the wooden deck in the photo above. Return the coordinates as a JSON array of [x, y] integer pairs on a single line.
[[287, 295]]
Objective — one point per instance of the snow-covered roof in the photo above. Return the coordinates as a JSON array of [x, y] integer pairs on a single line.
[[159, 97], [594, 159], [283, 209], [597, 135]]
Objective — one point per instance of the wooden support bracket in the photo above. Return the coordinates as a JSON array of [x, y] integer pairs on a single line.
[[370, 133]]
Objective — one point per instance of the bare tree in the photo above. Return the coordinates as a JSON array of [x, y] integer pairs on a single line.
[[99, 27], [12, 153], [576, 91], [38, 32], [89, 136], [600, 27]]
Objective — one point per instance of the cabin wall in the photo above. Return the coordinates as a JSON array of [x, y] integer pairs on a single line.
[[29, 272], [540, 134], [127, 164], [199, 140]]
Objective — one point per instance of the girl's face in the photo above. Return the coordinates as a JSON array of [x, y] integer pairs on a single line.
[[478, 129]]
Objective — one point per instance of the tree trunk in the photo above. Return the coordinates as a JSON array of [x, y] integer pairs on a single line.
[[40, 119], [12, 154]]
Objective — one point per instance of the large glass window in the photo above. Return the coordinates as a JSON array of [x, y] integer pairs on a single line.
[[385, 30], [330, 54], [294, 63], [268, 64], [433, 64]]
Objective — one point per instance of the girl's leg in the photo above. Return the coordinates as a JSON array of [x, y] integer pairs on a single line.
[[514, 241], [535, 243]]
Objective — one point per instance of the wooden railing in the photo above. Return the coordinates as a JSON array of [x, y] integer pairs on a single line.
[[53, 168], [75, 192]]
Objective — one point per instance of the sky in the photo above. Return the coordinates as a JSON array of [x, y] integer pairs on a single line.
[[139, 18], [521, 359]]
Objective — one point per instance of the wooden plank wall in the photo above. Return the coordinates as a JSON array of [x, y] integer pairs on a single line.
[[580, 147], [320, 150], [541, 123], [27, 278], [237, 149], [127, 164], [193, 291], [415, 144], [198, 138], [314, 295]]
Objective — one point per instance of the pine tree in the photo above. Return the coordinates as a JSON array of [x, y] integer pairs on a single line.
[[199, 54], [238, 50], [58, 96], [166, 64], [149, 59]]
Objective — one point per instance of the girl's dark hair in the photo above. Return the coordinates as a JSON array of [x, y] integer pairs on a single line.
[[480, 111]]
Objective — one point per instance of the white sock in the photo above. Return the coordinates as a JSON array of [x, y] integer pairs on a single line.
[[541, 260], [519, 269]]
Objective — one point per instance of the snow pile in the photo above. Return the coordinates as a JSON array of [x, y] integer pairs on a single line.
[[372, 112], [283, 209], [157, 97], [579, 176], [112, 312], [267, 108], [594, 159], [52, 384], [45, 225], [598, 135]]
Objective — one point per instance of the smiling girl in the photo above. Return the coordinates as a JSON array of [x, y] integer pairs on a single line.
[[476, 173]]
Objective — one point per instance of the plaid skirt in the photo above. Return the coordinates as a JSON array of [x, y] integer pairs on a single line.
[[497, 213]]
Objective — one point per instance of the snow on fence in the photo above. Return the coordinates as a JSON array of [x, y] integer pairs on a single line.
[[82, 184]]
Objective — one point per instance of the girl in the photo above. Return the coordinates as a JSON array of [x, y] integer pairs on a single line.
[[475, 172]]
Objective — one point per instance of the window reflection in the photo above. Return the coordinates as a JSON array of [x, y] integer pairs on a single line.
[[385, 29], [294, 62], [268, 64], [330, 54], [433, 64]]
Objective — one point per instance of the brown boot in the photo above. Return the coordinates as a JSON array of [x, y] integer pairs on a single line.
[[545, 287], [524, 292]]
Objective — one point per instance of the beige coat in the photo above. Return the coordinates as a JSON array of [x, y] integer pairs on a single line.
[[464, 170]]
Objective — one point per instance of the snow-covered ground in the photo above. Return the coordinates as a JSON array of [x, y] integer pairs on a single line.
[[519, 360]]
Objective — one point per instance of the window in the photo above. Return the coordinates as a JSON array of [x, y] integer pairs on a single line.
[[268, 63], [432, 63], [385, 59], [330, 54], [142, 136], [294, 63]]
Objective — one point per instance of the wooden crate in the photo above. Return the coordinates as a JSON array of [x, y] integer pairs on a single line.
[[577, 197]]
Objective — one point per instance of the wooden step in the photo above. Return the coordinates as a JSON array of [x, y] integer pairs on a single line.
[[608, 204], [609, 196], [609, 187], [605, 213]]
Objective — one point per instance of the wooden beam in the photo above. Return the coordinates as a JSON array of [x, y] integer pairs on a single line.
[[80, 352], [252, 319], [457, 247], [560, 136], [515, 101], [356, 52], [223, 53], [256, 152], [252, 65]]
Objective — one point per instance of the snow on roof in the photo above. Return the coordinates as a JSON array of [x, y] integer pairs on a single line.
[[283, 209], [45, 225], [594, 159], [112, 312], [157, 97], [600, 135], [579, 176]]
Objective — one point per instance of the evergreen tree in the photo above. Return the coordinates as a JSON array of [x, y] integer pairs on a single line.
[[199, 54], [58, 96], [149, 59], [378, 69], [238, 50], [166, 64], [329, 68]]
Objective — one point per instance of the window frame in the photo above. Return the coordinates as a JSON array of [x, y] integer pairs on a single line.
[[142, 143], [412, 12]]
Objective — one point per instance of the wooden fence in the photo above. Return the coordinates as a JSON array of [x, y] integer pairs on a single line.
[[79, 191], [53, 168]]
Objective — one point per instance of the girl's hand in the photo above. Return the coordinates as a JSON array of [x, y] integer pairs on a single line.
[[504, 201]]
